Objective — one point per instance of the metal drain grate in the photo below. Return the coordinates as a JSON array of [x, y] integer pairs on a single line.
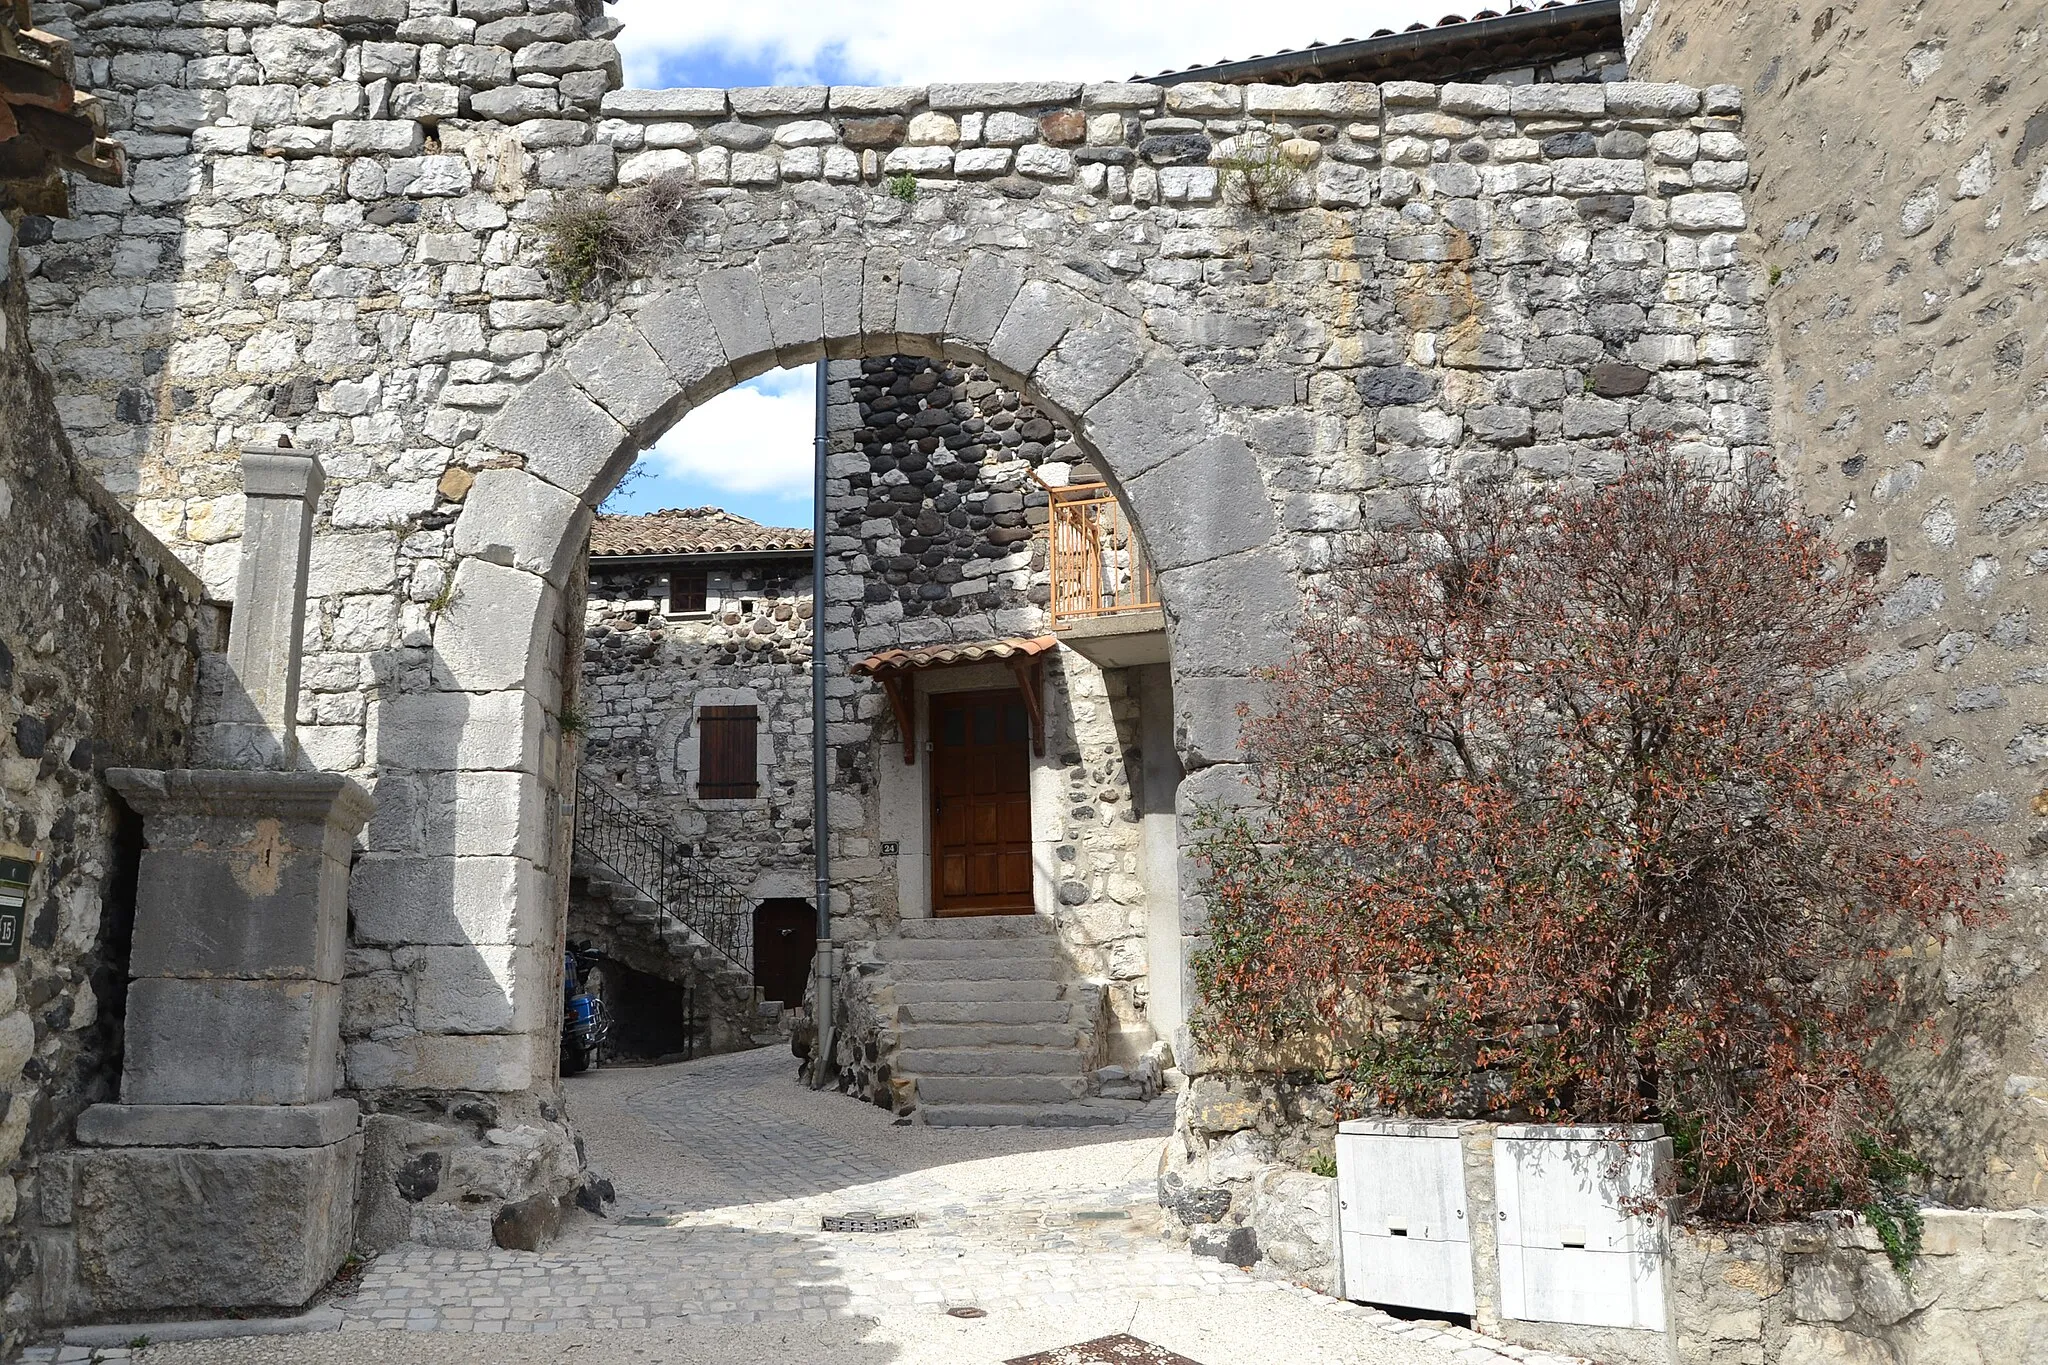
[[869, 1222]]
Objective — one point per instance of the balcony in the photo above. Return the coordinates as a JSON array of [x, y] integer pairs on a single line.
[[1105, 601]]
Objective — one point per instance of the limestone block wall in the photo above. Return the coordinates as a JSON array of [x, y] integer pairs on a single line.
[[1901, 201], [101, 631], [1826, 1291], [331, 234]]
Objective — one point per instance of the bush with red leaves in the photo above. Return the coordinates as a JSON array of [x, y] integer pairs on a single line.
[[1571, 813]]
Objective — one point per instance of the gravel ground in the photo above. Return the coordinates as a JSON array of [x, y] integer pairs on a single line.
[[714, 1253]]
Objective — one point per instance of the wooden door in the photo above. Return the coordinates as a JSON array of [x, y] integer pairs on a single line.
[[981, 804], [785, 937]]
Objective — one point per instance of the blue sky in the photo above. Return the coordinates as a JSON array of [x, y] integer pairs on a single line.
[[750, 450]]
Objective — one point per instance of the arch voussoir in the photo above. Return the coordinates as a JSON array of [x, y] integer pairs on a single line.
[[619, 368], [989, 284], [565, 436]]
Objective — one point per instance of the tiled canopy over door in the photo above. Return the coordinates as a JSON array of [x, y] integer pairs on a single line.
[[981, 804]]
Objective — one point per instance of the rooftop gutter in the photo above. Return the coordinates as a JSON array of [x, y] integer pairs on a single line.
[[1317, 63]]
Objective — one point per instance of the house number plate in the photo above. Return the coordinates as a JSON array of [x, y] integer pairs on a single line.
[[15, 875]]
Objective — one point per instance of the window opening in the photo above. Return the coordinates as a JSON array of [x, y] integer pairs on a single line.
[[688, 591], [727, 745]]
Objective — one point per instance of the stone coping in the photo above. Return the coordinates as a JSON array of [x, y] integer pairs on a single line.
[[218, 1125], [1333, 98], [196, 791]]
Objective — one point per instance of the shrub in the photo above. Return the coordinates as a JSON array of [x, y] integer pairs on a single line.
[[1570, 814], [1257, 173], [903, 185], [596, 242]]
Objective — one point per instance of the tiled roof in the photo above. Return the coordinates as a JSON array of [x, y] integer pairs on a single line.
[[691, 531], [46, 127], [1517, 35], [940, 656]]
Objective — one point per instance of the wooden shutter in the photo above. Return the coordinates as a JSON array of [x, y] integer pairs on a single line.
[[727, 741], [687, 591]]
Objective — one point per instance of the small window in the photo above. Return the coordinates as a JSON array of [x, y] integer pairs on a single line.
[[687, 592], [727, 743]]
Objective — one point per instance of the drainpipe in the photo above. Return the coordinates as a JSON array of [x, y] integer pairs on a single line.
[[825, 961]]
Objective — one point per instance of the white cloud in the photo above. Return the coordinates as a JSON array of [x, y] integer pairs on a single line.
[[755, 439], [910, 42]]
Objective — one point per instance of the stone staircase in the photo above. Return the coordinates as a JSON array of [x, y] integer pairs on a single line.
[[993, 1026], [630, 926]]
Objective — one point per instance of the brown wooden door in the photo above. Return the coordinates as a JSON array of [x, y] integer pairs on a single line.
[[981, 804], [785, 937]]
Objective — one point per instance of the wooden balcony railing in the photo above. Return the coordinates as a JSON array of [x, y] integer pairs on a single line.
[[1098, 565]]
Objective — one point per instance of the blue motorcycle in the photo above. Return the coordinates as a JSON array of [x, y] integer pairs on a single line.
[[586, 1023]]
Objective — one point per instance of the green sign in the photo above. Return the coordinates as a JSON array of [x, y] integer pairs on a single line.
[[15, 876]]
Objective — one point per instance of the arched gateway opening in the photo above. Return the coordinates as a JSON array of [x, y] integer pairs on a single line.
[[504, 652]]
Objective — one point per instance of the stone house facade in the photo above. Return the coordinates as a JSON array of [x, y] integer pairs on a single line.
[[695, 692], [942, 505]]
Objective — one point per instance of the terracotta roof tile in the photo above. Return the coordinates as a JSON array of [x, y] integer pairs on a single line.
[[904, 660], [46, 126], [691, 531]]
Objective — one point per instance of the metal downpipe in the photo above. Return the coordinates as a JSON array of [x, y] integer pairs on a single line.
[[825, 961]]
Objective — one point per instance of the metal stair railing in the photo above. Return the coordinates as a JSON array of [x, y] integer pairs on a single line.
[[642, 854]]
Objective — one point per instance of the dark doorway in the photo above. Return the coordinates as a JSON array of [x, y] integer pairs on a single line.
[[651, 1018], [785, 937], [981, 804]]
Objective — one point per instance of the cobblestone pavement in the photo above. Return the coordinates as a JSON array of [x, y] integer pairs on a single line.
[[714, 1252]]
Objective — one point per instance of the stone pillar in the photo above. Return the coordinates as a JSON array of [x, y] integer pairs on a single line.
[[226, 1175], [256, 726], [1160, 775]]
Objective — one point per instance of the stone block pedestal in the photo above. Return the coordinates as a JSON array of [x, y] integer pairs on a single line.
[[182, 1216], [226, 1176]]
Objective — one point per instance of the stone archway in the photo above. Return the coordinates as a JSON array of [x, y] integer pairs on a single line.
[[561, 444]]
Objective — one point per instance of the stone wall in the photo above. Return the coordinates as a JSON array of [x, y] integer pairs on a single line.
[[100, 635], [938, 514], [331, 234], [1901, 202], [645, 675], [1826, 1292]]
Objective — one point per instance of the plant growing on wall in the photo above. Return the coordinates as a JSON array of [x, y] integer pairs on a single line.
[[1257, 173], [596, 242], [1570, 813]]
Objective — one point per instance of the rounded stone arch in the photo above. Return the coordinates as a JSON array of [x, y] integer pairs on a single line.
[[1145, 418], [1194, 491]]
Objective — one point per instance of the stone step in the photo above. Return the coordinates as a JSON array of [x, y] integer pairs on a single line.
[[1016, 1116], [968, 949], [1000, 1089], [994, 967], [921, 992], [977, 1033], [977, 927], [985, 1012], [989, 1061]]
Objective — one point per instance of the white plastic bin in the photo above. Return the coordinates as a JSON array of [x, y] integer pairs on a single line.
[[1401, 1215], [1569, 1250]]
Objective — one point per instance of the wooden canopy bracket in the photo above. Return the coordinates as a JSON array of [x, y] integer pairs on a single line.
[[1030, 675], [902, 702]]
